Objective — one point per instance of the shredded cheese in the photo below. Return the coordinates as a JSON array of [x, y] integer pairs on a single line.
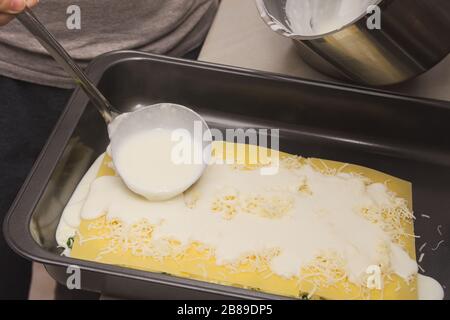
[[382, 210]]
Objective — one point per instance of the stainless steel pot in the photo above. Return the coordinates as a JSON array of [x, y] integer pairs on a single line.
[[414, 36]]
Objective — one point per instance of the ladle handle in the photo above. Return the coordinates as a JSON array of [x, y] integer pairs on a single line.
[[48, 41]]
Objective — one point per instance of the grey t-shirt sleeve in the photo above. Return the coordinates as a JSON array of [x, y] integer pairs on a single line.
[[89, 28]]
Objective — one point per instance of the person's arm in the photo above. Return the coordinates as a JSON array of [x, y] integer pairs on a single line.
[[8, 8]]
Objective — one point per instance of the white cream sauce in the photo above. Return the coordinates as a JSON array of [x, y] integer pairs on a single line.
[[146, 163], [429, 289], [71, 216], [325, 220], [317, 17]]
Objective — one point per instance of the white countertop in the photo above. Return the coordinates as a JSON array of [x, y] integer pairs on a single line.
[[239, 37]]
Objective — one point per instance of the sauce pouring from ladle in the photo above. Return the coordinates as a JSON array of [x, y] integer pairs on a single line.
[[141, 141]]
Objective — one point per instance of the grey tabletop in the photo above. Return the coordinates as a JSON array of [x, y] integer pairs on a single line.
[[239, 37]]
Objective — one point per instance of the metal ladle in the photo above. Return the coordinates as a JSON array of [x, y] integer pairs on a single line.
[[164, 115]]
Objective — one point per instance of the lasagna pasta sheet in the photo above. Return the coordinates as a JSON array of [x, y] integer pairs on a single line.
[[197, 262]]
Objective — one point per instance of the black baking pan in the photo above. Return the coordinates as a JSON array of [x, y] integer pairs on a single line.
[[402, 136]]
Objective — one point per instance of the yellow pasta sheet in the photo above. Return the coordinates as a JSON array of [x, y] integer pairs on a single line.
[[197, 264]]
